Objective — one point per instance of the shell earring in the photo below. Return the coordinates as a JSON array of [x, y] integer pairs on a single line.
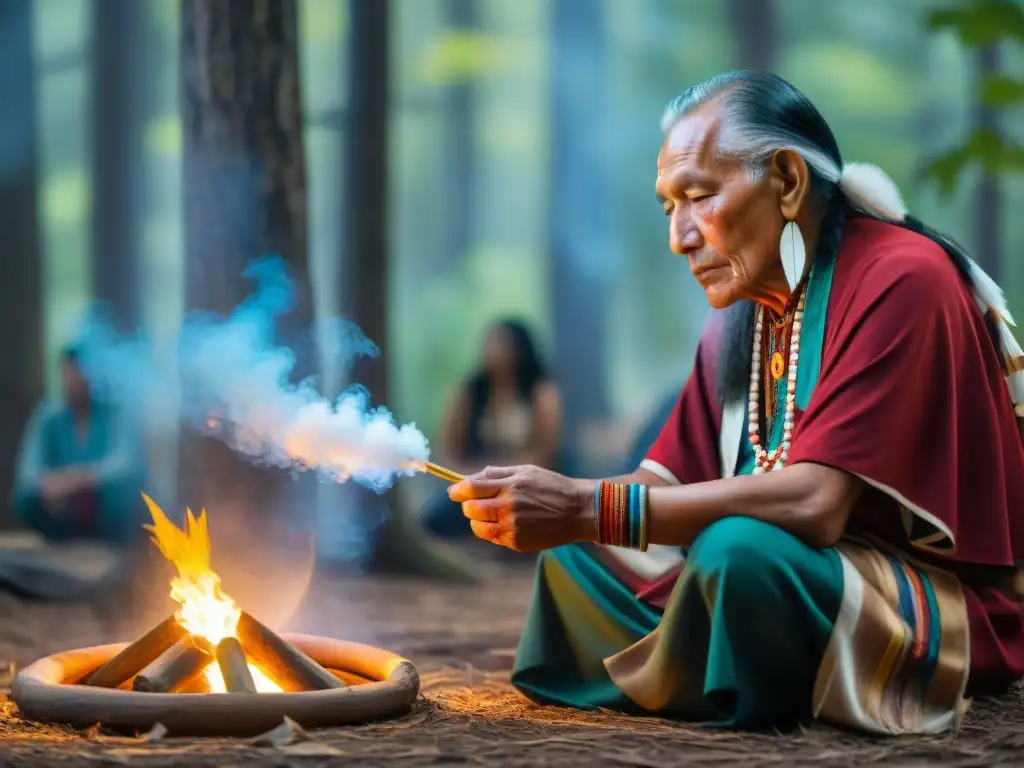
[[793, 253]]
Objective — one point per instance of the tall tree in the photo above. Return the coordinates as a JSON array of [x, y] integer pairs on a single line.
[[459, 167], [988, 198], [580, 262], [21, 380], [754, 32], [401, 545], [245, 196], [363, 290], [365, 215], [121, 61]]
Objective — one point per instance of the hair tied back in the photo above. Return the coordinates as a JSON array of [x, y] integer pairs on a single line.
[[873, 191]]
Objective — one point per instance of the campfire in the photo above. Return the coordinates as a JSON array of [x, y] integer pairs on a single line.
[[209, 645], [237, 676]]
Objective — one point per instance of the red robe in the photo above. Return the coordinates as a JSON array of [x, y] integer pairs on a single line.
[[911, 398]]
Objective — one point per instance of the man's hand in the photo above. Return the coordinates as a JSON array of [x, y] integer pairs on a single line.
[[527, 508]]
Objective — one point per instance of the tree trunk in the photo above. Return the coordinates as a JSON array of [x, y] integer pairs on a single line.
[[245, 196], [120, 61], [754, 32], [581, 264], [400, 546], [363, 288], [365, 281], [458, 149], [988, 197], [21, 381]]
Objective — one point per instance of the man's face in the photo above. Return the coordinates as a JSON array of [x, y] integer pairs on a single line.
[[727, 226]]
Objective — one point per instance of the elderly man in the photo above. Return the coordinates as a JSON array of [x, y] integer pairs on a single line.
[[842, 472]]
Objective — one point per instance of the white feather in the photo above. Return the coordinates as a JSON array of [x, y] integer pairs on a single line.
[[987, 293], [1016, 383], [871, 189]]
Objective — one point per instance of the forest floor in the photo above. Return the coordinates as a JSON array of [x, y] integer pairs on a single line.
[[462, 640]]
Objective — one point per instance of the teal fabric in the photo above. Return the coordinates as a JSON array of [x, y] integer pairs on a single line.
[[741, 639], [812, 333], [812, 339], [110, 450], [603, 617], [746, 625]]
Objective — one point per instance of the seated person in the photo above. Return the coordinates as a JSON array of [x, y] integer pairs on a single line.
[[80, 467], [838, 495], [508, 412]]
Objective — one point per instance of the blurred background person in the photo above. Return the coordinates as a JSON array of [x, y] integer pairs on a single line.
[[81, 466], [508, 412]]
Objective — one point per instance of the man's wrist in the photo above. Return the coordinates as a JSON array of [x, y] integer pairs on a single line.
[[585, 514]]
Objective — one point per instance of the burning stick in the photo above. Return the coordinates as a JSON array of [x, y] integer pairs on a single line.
[[138, 655], [285, 664], [234, 667], [175, 669], [438, 471]]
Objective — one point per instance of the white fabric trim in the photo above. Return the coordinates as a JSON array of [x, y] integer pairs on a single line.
[[928, 517], [660, 470], [730, 435], [843, 675], [842, 642], [652, 564]]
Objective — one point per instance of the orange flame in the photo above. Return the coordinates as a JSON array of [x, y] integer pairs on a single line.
[[206, 610]]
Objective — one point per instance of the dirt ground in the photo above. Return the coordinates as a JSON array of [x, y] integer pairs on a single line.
[[462, 640]]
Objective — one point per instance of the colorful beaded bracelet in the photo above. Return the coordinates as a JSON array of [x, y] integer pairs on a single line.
[[621, 514]]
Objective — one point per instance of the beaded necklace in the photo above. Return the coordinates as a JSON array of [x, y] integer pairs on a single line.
[[772, 338]]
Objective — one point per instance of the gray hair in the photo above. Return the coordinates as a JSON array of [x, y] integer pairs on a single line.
[[763, 114]]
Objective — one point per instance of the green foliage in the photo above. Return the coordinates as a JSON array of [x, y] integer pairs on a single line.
[[986, 147], [978, 24], [981, 22], [1001, 91], [462, 55]]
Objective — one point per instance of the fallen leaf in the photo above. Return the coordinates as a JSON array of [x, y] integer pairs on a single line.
[[156, 733], [288, 732]]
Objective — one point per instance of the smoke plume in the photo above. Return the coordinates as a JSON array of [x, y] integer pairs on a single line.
[[236, 384]]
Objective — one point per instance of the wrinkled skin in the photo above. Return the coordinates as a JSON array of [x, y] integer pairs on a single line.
[[728, 226], [526, 508]]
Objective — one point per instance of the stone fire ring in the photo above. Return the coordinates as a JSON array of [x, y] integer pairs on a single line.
[[382, 685]]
